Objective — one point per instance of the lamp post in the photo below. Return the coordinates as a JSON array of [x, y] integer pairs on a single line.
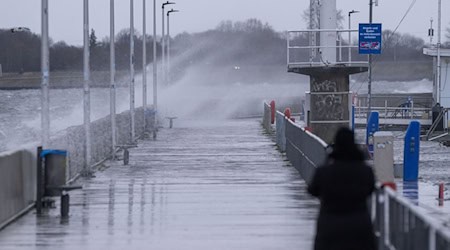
[[86, 92], [155, 73], [163, 43], [350, 34], [112, 80], [45, 68], [438, 73], [369, 85], [144, 62], [168, 43], [132, 101]]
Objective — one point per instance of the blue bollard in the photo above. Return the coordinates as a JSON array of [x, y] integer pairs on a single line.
[[411, 152], [411, 191], [373, 125]]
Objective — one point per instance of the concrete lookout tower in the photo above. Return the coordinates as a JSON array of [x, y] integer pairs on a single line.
[[321, 53]]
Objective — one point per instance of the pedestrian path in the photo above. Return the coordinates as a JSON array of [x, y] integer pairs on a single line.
[[201, 185]]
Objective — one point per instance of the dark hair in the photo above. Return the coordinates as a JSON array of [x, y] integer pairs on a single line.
[[345, 148]]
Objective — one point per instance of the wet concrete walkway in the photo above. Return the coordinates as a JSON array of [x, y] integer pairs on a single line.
[[199, 186]]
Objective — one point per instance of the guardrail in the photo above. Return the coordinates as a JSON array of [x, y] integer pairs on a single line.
[[398, 223], [402, 112], [304, 50]]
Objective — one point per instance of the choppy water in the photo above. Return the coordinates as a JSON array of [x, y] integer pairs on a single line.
[[20, 109]]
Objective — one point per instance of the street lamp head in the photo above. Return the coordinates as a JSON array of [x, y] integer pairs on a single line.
[[20, 29], [172, 11], [167, 3], [353, 12]]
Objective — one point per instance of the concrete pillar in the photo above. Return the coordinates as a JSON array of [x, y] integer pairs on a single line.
[[329, 98]]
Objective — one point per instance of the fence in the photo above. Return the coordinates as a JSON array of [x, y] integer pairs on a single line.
[[401, 225], [302, 51], [398, 224]]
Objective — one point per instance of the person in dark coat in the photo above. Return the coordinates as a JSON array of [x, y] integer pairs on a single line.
[[343, 186]]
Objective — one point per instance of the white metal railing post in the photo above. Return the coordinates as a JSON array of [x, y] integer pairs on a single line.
[[132, 101], [386, 220], [45, 68], [288, 34], [385, 110], [340, 45], [86, 92], [432, 238], [412, 109], [112, 81], [359, 108]]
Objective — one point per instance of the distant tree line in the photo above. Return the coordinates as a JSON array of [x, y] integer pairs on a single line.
[[249, 42], [21, 52]]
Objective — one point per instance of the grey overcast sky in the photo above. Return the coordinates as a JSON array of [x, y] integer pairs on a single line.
[[199, 15]]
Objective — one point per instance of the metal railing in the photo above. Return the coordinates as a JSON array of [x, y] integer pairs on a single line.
[[304, 49], [398, 223], [410, 112], [401, 225]]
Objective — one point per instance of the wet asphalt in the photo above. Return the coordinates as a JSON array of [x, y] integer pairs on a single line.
[[200, 185]]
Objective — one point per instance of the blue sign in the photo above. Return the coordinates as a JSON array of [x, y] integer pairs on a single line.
[[370, 38]]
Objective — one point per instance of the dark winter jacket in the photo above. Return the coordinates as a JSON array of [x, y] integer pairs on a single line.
[[343, 186]]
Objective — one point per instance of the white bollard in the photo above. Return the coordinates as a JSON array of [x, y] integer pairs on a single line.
[[383, 157]]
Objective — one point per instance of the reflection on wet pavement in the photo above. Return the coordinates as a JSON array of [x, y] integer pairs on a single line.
[[199, 186]]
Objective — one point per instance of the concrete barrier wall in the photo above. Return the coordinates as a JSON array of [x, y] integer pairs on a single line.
[[17, 183], [304, 150], [18, 168], [73, 139]]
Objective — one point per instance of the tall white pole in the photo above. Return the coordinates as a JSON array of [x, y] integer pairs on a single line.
[[112, 78], [438, 73], [163, 47], [86, 92], [45, 68], [155, 76], [132, 101], [144, 62], [349, 37], [369, 80], [168, 50]]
